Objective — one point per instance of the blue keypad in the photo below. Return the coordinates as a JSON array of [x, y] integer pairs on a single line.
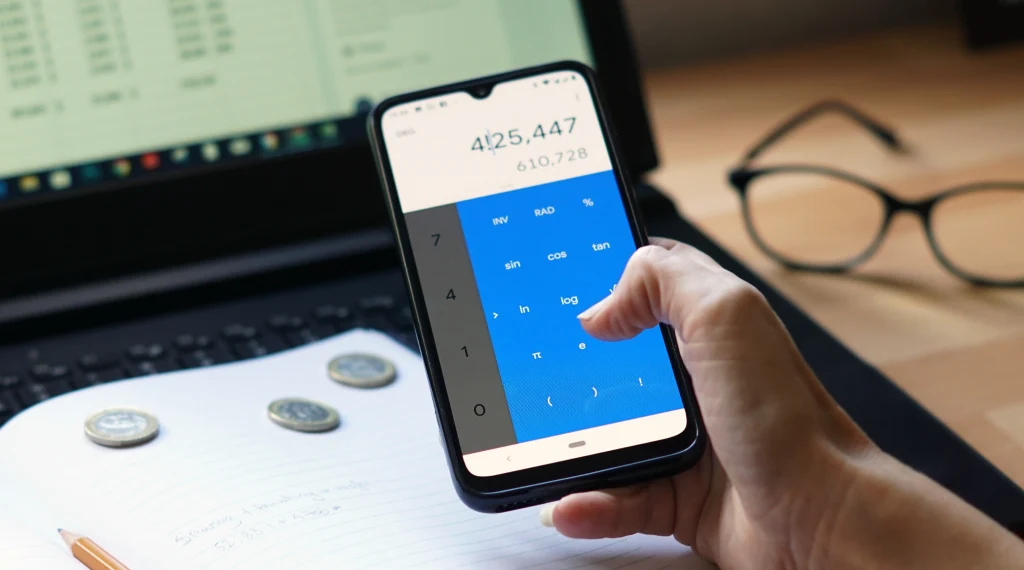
[[540, 256]]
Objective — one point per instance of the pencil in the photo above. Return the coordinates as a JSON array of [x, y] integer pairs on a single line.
[[89, 553]]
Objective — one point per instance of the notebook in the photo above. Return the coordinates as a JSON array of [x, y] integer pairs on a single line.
[[222, 487]]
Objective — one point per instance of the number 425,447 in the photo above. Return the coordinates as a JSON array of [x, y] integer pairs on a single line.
[[513, 137]]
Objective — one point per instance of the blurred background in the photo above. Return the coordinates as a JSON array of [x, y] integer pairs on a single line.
[[673, 32], [945, 78]]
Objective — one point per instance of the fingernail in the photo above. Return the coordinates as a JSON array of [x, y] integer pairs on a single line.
[[547, 515], [594, 310]]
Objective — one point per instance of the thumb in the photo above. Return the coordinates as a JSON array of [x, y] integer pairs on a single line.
[[647, 508], [666, 282]]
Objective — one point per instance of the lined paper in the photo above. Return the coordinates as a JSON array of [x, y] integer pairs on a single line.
[[222, 487], [22, 549]]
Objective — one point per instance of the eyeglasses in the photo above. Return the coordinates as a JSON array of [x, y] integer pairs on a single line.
[[976, 231]]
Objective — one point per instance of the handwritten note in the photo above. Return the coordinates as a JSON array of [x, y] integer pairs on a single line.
[[224, 488]]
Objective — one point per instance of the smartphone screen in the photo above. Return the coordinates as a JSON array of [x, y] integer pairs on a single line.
[[517, 223]]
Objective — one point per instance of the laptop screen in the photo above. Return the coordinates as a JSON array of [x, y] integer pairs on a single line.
[[103, 93]]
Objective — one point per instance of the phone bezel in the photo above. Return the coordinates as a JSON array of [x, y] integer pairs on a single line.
[[605, 469]]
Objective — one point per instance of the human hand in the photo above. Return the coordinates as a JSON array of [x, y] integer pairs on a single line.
[[786, 468]]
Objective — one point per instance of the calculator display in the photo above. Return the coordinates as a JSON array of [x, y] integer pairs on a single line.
[[517, 224]]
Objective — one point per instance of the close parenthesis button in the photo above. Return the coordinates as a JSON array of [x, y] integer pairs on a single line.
[[479, 409]]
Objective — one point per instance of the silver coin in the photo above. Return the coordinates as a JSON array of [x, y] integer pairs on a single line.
[[361, 370], [303, 415], [121, 427]]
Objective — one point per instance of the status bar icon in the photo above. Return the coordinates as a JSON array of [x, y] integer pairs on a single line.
[[180, 155], [299, 137], [60, 179], [210, 151], [121, 167], [150, 161], [240, 147], [270, 141], [28, 184], [329, 131], [90, 173]]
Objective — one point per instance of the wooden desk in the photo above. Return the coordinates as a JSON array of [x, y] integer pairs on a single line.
[[957, 349]]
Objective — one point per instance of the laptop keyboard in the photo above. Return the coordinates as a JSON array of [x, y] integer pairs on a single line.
[[43, 379]]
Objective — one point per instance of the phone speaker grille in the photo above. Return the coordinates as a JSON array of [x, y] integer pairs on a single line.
[[519, 505]]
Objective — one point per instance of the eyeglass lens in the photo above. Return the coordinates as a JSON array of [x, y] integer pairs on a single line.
[[814, 219], [821, 220], [981, 233]]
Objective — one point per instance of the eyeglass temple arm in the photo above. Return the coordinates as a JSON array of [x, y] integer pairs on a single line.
[[882, 132]]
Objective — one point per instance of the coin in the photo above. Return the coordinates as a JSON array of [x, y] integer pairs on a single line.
[[361, 370], [303, 415], [121, 427]]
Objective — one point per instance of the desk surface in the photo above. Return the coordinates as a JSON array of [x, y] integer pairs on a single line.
[[957, 349]]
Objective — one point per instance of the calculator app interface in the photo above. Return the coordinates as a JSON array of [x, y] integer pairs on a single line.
[[517, 225]]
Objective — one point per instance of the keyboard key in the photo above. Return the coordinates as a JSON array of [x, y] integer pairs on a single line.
[[31, 394], [240, 332], [9, 380], [254, 348], [200, 358], [376, 322], [8, 406], [141, 352], [282, 323], [98, 361], [332, 314], [150, 367], [402, 319], [49, 372], [301, 337], [408, 339], [188, 342], [377, 304], [98, 377]]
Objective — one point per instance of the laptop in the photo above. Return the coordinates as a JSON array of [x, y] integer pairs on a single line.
[[186, 183]]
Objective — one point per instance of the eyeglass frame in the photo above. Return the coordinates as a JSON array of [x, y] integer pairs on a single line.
[[742, 175]]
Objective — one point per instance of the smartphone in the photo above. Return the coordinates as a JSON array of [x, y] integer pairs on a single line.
[[513, 214]]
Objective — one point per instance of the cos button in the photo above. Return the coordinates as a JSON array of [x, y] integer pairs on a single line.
[[479, 409]]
